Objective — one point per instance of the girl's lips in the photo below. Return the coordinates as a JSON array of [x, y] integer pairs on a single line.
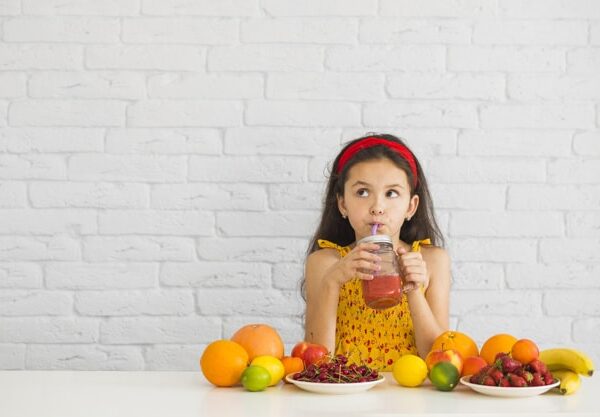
[[376, 228]]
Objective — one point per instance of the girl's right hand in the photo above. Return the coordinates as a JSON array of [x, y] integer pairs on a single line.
[[358, 263]]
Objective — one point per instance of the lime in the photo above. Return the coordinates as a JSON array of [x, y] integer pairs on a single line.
[[273, 365], [444, 376], [409, 370], [255, 378]]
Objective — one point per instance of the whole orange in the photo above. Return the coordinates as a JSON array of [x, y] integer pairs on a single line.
[[472, 365], [258, 340], [292, 365], [223, 363], [501, 342], [457, 341], [525, 351]]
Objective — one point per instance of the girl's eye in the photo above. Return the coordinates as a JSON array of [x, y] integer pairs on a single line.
[[392, 193], [362, 192]]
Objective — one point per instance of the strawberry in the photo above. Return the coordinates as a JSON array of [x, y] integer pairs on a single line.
[[504, 382], [483, 372], [537, 365], [537, 380], [516, 381], [509, 365], [488, 380], [496, 375], [527, 376], [548, 378]]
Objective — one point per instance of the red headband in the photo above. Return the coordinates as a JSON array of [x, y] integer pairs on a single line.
[[374, 141]]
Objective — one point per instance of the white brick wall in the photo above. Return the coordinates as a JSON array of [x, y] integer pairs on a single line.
[[162, 164]]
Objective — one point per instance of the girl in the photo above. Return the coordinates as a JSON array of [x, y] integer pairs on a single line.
[[376, 180]]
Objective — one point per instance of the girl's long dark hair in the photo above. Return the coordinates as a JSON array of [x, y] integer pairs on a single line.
[[335, 228]]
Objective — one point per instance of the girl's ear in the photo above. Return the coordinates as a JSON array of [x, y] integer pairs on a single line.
[[412, 206], [341, 205]]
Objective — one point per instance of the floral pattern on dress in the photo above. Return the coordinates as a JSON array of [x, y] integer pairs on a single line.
[[373, 337]]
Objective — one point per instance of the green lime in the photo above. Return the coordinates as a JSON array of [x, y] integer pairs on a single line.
[[444, 376], [255, 378]]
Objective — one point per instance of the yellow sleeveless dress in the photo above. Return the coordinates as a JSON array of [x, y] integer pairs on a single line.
[[373, 337]]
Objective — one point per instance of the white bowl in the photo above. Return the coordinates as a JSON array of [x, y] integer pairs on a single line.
[[507, 391], [341, 388]]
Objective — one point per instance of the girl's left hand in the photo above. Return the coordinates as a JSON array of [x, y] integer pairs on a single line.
[[413, 270]]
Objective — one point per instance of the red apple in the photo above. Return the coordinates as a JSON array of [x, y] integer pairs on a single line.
[[448, 355], [314, 353], [309, 352], [299, 349]]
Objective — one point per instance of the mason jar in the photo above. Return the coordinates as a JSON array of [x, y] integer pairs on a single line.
[[385, 289]]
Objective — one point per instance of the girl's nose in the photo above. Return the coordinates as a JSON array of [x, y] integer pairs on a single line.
[[376, 210]]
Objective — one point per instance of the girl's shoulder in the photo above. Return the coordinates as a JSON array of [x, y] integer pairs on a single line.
[[327, 253], [323, 255], [435, 256], [319, 261]]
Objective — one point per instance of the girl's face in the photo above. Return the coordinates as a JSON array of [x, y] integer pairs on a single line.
[[377, 191]]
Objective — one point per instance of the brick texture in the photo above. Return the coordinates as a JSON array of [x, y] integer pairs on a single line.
[[163, 162]]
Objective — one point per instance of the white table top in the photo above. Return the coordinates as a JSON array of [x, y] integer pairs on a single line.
[[173, 394]]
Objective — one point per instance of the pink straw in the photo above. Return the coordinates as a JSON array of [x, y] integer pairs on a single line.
[[374, 229]]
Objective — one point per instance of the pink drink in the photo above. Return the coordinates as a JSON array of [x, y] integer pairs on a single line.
[[383, 291]]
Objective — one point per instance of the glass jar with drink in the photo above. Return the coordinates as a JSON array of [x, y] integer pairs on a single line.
[[385, 289]]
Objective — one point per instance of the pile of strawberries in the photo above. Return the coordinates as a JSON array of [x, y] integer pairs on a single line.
[[509, 372]]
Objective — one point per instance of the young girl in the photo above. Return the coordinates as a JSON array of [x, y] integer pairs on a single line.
[[376, 180]]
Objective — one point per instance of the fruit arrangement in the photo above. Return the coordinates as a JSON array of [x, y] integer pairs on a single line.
[[509, 372], [451, 354], [336, 371], [503, 361], [254, 357]]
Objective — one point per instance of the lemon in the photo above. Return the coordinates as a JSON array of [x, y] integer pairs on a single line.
[[409, 370], [444, 376], [273, 365]]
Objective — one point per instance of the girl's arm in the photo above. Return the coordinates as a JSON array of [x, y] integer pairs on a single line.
[[322, 294], [429, 311], [325, 273]]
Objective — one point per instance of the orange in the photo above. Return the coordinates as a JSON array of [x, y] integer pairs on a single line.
[[457, 341], [292, 365], [501, 342], [472, 365], [258, 340], [525, 351], [223, 363]]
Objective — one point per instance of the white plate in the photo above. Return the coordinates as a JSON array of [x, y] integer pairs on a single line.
[[342, 388], [507, 391]]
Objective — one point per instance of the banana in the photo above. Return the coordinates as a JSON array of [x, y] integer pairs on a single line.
[[566, 358], [569, 381]]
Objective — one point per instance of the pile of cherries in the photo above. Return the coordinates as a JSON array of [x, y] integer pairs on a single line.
[[336, 371]]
